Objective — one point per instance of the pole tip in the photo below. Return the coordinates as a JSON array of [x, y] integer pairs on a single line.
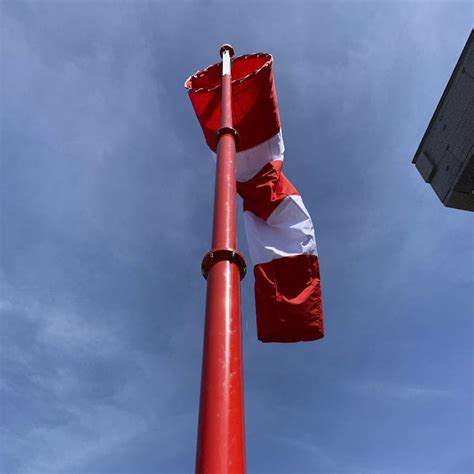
[[227, 47]]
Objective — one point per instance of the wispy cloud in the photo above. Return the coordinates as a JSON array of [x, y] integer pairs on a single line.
[[383, 470], [315, 456], [91, 431], [390, 390], [77, 404]]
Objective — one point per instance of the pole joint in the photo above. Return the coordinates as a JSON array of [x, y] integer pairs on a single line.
[[231, 131], [218, 255]]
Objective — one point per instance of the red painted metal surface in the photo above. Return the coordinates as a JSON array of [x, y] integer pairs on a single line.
[[221, 438]]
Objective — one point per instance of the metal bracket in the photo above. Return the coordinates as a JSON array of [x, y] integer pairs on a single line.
[[231, 131], [214, 256]]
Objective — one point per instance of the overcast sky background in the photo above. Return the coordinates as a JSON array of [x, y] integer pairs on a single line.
[[107, 188]]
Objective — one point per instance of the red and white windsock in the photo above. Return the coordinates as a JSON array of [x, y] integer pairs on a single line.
[[279, 229]]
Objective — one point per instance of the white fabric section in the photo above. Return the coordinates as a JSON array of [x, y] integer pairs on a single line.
[[251, 161], [288, 231]]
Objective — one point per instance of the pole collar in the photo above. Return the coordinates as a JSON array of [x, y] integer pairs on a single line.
[[231, 131], [218, 255], [227, 47]]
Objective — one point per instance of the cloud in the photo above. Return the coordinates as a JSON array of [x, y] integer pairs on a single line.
[[82, 390], [390, 390], [90, 432], [315, 456]]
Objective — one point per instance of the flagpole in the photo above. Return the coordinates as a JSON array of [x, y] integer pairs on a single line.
[[221, 436]]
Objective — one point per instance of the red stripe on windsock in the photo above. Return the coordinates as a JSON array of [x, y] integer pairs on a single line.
[[288, 299], [266, 190], [255, 112]]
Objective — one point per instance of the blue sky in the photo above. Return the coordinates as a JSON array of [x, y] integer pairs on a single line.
[[106, 197]]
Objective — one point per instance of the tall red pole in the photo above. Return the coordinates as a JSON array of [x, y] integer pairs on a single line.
[[221, 438]]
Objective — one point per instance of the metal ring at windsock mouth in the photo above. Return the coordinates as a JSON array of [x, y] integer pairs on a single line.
[[192, 89]]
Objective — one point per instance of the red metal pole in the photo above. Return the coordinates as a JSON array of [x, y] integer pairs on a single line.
[[221, 438]]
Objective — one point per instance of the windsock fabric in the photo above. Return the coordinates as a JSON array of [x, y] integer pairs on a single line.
[[279, 229]]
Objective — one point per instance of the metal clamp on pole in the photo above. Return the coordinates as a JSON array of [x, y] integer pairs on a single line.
[[214, 256], [231, 131]]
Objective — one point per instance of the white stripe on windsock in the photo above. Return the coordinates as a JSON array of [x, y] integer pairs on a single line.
[[287, 232], [251, 161]]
